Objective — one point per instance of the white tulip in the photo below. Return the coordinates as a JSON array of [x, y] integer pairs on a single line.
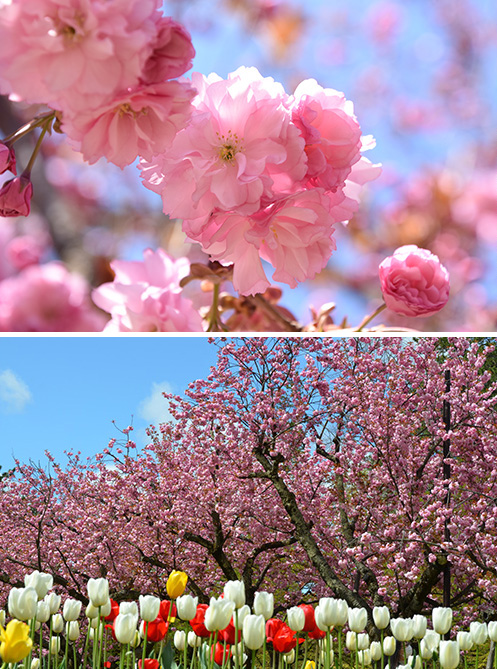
[[389, 645], [415, 662], [381, 617], [149, 607], [357, 619], [402, 628], [218, 614], [464, 640], [91, 611], [289, 657], [419, 624], [425, 651], [362, 641], [264, 604], [72, 609], [442, 619], [194, 641], [351, 640], [254, 631], [179, 640], [432, 639], [57, 623], [129, 607], [375, 650], [72, 630], [479, 633], [449, 654], [125, 627], [187, 607], [53, 601], [98, 591], [23, 603], [54, 647], [42, 611], [296, 618], [364, 657], [235, 592], [492, 630], [40, 582], [35, 663]]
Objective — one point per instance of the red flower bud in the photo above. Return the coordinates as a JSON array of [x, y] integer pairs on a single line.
[[15, 196]]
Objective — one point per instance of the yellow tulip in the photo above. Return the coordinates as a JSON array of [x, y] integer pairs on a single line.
[[310, 664], [176, 584], [15, 642]]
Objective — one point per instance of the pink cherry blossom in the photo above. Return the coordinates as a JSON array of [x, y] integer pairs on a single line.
[[23, 251], [172, 52], [295, 235], [141, 122], [414, 282], [15, 196], [73, 54], [331, 132], [145, 296], [47, 298], [239, 142]]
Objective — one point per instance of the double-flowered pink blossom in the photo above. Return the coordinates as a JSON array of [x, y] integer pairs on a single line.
[[414, 282], [259, 175], [145, 296], [74, 54]]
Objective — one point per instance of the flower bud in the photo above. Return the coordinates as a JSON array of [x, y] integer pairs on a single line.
[[289, 657], [7, 158], [187, 607], [54, 647], [35, 663], [15, 197]]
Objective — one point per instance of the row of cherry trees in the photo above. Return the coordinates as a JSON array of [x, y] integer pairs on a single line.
[[303, 466]]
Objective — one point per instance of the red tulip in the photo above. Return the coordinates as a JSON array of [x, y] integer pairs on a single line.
[[157, 629], [197, 623], [166, 613], [149, 663], [221, 653], [310, 622], [228, 634], [272, 627], [284, 640], [114, 611]]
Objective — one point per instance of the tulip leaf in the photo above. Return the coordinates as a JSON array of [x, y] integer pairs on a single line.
[[167, 657]]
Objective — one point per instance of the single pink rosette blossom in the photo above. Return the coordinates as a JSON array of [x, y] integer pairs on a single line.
[[145, 296], [331, 131], [141, 122], [15, 196], [295, 235], [47, 298], [74, 54], [239, 143], [172, 52], [414, 282], [7, 159]]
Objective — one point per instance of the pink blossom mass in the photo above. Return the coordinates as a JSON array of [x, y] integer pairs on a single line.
[[145, 296]]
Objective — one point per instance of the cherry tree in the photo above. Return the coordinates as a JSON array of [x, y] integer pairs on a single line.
[[305, 466]]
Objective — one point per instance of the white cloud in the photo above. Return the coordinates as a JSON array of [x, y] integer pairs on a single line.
[[154, 407], [14, 393]]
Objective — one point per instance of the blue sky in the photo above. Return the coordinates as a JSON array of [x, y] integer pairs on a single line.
[[62, 393]]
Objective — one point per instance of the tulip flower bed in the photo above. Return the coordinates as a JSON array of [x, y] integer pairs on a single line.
[[225, 633]]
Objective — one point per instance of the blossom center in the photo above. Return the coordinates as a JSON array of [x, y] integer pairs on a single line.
[[70, 32], [127, 110], [231, 144]]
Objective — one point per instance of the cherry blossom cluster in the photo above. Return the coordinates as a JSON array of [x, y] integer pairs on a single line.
[[289, 449], [261, 175]]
